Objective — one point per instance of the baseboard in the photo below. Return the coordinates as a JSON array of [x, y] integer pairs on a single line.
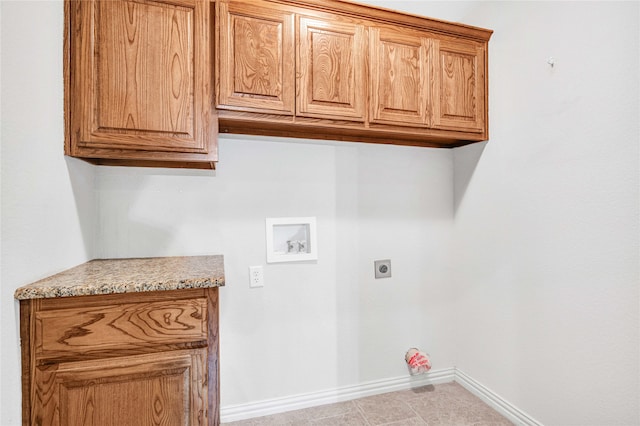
[[496, 402], [280, 405]]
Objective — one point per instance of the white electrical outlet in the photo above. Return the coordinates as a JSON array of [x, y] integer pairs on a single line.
[[256, 276]]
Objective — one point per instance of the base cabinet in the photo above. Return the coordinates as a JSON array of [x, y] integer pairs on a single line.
[[134, 359]]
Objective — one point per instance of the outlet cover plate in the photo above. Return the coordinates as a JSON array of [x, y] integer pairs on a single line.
[[382, 268], [256, 276]]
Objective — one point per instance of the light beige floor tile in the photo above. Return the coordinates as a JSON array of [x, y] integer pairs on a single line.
[[291, 418], [353, 418], [382, 409], [447, 404], [331, 410], [451, 404]]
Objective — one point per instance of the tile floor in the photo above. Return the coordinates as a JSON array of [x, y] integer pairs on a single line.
[[447, 404]]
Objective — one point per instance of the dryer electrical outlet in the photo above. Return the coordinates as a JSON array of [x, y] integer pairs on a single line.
[[383, 268]]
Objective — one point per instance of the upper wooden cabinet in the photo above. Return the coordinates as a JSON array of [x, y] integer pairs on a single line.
[[147, 82], [256, 59], [355, 72], [459, 94], [400, 77], [331, 69], [138, 83]]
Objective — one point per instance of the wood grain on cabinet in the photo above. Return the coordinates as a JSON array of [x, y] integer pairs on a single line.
[[331, 69], [399, 77], [138, 83], [459, 89], [166, 388], [125, 359], [363, 74], [256, 58]]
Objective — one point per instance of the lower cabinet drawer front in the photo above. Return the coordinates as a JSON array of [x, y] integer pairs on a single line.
[[83, 332]]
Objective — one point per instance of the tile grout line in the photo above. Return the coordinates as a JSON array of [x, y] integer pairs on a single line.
[[416, 414], [362, 414]]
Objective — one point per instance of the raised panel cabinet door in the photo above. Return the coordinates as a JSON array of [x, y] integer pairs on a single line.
[[256, 58], [331, 69], [459, 98], [399, 76], [140, 75], [167, 388]]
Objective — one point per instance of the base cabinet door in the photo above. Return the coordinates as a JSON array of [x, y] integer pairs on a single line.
[[159, 389]]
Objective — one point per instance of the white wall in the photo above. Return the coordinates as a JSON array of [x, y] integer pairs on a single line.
[[315, 325], [546, 220], [542, 305], [48, 201]]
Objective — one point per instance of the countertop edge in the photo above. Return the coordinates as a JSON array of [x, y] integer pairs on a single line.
[[25, 293], [117, 276]]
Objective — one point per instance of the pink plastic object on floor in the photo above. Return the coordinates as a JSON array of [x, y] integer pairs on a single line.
[[417, 361]]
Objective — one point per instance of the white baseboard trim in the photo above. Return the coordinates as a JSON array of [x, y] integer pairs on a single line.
[[280, 405], [496, 402]]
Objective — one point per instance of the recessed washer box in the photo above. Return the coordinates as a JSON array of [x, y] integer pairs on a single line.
[[291, 239]]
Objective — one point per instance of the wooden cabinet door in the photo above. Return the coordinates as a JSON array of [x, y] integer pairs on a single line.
[[167, 388], [459, 91], [399, 77], [140, 76], [331, 69], [256, 58]]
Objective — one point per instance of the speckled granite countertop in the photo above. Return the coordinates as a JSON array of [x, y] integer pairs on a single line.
[[108, 276]]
